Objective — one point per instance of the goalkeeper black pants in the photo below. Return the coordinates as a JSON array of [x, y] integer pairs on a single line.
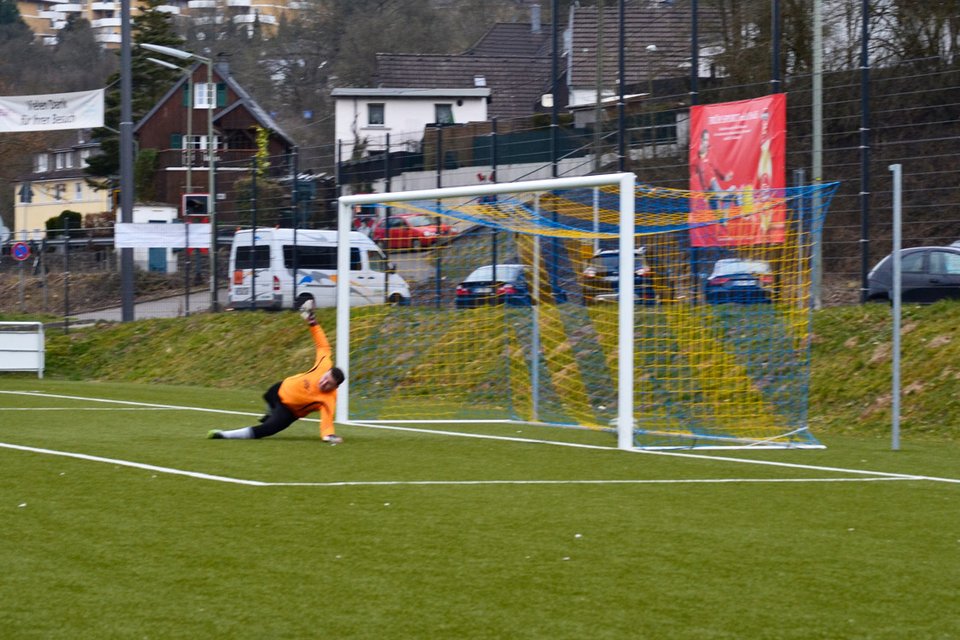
[[278, 417]]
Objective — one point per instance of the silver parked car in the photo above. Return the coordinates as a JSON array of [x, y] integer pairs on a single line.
[[927, 274]]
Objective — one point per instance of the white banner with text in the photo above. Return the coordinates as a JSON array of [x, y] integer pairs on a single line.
[[148, 235], [77, 110]]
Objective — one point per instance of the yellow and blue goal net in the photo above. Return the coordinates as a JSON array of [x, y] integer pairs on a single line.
[[524, 302]]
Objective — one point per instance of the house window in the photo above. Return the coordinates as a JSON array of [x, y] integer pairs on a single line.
[[204, 95], [78, 191], [199, 142], [375, 114], [84, 155], [443, 113], [41, 163], [63, 160], [59, 191]]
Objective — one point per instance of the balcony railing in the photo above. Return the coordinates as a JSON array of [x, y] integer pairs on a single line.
[[250, 18], [181, 158]]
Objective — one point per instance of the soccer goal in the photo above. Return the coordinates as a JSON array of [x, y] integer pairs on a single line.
[[662, 317]]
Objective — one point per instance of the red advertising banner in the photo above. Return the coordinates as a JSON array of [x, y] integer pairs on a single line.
[[737, 171]]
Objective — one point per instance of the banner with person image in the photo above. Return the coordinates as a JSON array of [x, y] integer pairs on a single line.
[[738, 171]]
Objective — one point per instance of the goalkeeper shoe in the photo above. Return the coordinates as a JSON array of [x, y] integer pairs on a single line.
[[215, 434], [332, 439]]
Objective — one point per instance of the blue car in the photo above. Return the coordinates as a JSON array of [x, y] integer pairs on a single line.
[[739, 281]]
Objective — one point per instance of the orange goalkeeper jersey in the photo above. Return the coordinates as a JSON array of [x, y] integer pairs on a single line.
[[301, 393]]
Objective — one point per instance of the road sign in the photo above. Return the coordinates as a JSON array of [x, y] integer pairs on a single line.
[[21, 251]]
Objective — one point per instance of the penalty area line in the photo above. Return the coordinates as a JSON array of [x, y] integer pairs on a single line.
[[457, 483], [133, 465], [419, 483], [676, 454]]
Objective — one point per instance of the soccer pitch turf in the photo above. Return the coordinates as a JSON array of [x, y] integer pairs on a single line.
[[121, 520]]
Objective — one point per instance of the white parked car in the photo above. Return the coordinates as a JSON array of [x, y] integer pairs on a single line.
[[262, 270]]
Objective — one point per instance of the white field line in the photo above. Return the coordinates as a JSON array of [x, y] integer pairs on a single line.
[[396, 483], [86, 408], [882, 474], [872, 475], [135, 465], [417, 483]]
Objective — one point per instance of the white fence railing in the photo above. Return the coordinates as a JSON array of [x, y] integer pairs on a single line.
[[22, 347]]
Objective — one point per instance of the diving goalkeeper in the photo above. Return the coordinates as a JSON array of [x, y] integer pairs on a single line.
[[300, 395]]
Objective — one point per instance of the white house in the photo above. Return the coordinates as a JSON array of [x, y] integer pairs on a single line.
[[364, 116]]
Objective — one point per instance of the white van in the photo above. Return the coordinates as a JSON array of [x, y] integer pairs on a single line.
[[274, 286]]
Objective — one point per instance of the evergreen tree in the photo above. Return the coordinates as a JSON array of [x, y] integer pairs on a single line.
[[17, 49], [11, 22]]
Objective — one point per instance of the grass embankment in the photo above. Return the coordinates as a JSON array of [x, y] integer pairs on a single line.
[[850, 378]]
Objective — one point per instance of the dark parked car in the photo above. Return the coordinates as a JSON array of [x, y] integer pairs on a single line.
[[509, 286], [739, 281], [601, 278], [927, 274]]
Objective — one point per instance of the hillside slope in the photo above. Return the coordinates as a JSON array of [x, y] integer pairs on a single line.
[[850, 375]]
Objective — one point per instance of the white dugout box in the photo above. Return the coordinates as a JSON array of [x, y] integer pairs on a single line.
[[22, 347]]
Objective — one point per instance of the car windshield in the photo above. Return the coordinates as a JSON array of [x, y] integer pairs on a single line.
[[420, 221], [728, 267], [504, 272]]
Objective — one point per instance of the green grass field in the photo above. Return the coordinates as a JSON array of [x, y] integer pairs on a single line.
[[122, 521]]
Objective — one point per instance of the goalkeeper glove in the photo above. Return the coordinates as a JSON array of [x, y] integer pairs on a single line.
[[306, 310]]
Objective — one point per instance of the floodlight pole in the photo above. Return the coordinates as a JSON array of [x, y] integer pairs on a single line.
[[126, 160], [211, 155]]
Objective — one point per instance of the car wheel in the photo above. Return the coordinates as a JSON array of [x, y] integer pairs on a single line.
[[415, 244]]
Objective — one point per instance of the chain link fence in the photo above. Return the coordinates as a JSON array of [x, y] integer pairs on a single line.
[[914, 121]]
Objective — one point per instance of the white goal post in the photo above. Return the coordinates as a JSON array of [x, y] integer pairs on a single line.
[[625, 183]]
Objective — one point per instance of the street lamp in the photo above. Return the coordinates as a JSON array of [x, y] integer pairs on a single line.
[[212, 198]]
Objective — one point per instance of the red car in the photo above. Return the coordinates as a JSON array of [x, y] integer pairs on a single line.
[[409, 231]]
